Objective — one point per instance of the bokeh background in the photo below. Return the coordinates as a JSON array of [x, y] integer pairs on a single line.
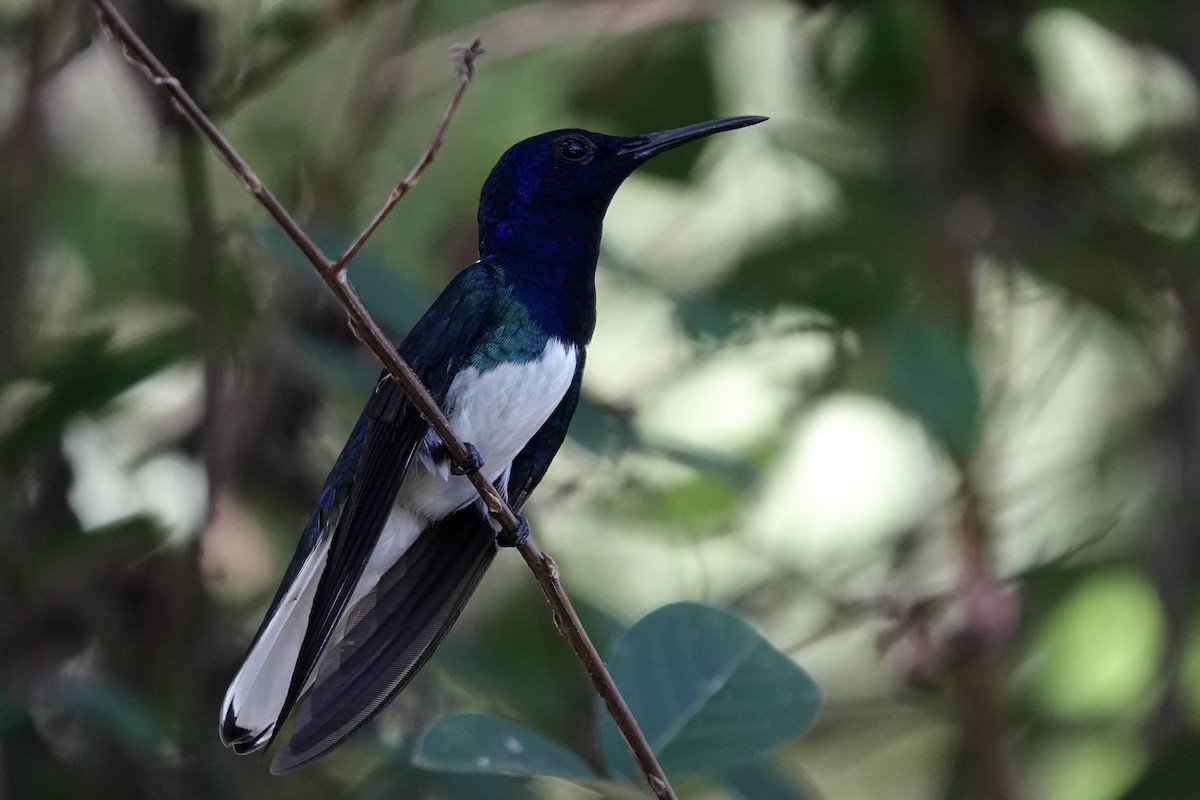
[[907, 377]]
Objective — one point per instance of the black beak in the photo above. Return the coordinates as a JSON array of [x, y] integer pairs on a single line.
[[643, 147]]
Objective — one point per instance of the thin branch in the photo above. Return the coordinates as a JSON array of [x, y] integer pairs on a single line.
[[336, 278], [527, 27], [201, 259], [991, 613], [466, 55], [321, 25]]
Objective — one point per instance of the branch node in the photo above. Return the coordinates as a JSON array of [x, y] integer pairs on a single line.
[[358, 331], [550, 566], [465, 54]]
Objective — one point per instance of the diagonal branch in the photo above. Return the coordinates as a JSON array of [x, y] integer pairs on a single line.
[[335, 277]]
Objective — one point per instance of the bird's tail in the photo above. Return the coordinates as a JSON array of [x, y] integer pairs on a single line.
[[255, 700], [390, 634]]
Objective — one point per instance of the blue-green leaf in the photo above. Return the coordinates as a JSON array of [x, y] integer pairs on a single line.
[[11, 713], [708, 691], [932, 373], [83, 376], [762, 781], [483, 744], [118, 709]]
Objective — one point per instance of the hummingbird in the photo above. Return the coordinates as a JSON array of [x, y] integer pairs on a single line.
[[399, 539]]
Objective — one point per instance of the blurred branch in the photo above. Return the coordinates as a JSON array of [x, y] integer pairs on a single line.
[[23, 158], [201, 265], [970, 81], [990, 617], [535, 25], [508, 33], [335, 277], [260, 75], [1173, 553]]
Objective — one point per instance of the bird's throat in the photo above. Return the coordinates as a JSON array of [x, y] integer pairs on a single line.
[[551, 269]]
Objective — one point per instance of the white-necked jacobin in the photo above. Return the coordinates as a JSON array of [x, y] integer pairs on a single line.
[[396, 544]]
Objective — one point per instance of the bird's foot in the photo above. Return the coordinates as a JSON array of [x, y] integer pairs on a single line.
[[475, 464], [517, 537]]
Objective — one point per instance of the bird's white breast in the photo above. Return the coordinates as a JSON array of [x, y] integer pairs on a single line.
[[498, 410]]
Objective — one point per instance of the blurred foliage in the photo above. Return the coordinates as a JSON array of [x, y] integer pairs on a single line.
[[906, 381]]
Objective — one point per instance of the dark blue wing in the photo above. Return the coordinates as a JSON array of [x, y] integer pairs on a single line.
[[395, 630], [413, 607], [362, 486]]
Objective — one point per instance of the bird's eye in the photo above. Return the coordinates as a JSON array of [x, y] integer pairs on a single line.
[[575, 149]]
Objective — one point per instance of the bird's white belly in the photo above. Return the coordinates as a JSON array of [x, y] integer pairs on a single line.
[[497, 410]]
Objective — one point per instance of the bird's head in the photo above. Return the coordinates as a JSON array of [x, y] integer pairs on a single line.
[[562, 180]]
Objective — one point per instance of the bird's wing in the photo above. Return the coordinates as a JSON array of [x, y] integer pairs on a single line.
[[397, 627], [390, 635], [350, 514]]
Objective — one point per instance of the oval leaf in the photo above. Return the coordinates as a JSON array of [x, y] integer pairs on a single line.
[[707, 690], [762, 781], [118, 709], [483, 744]]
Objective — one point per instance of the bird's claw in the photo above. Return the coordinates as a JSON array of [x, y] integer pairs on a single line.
[[475, 464], [517, 537]]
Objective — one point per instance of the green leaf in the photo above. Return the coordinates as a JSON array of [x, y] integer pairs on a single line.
[[400, 778], [596, 429], [71, 545], [473, 787], [518, 662], [762, 781], [337, 361], [931, 372], [1173, 776], [84, 376], [623, 77], [287, 23], [483, 744], [733, 472], [708, 691], [12, 714], [115, 708]]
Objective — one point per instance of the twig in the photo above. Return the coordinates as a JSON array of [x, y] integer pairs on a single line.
[[991, 616], [336, 278], [966, 77], [319, 27], [466, 53], [526, 27]]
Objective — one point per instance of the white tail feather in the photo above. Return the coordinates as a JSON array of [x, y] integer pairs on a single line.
[[254, 702], [256, 696]]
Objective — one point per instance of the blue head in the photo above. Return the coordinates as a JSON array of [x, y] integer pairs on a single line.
[[542, 209]]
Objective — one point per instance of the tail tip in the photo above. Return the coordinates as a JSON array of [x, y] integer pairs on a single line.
[[243, 740]]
